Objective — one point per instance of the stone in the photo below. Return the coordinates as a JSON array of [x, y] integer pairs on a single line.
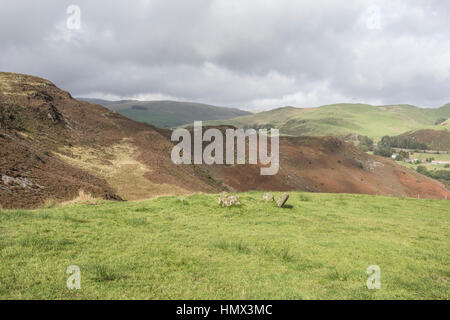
[[268, 197], [228, 200], [222, 197], [24, 183], [54, 115], [282, 201]]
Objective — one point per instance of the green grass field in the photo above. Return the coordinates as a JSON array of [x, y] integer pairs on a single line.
[[436, 156], [430, 166], [318, 247]]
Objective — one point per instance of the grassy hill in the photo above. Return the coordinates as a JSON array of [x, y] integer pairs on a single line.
[[168, 113], [342, 119], [318, 247]]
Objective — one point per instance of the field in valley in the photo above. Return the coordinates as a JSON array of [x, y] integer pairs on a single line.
[[318, 247]]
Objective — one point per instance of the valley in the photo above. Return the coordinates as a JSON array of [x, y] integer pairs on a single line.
[[102, 153]]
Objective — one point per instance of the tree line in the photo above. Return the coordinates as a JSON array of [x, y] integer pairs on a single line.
[[384, 147]]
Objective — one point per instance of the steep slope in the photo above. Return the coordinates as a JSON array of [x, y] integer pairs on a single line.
[[343, 119], [169, 113], [52, 146]]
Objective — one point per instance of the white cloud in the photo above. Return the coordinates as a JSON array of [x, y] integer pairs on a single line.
[[373, 18]]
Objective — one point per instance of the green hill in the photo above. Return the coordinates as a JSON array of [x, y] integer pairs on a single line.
[[318, 247], [443, 111], [166, 114], [342, 119]]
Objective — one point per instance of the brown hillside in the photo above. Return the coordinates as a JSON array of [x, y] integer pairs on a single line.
[[52, 146], [434, 139], [58, 145], [328, 164]]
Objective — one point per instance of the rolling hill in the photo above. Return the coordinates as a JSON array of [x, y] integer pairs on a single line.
[[167, 114], [54, 148], [343, 119]]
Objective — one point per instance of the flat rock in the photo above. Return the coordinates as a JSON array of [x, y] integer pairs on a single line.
[[228, 200], [268, 197]]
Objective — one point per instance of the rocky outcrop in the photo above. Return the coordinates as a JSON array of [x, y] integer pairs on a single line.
[[21, 182]]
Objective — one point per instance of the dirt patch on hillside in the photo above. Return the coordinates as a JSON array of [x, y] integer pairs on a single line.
[[29, 177], [118, 166]]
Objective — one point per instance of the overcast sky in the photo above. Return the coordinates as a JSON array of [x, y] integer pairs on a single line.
[[250, 54]]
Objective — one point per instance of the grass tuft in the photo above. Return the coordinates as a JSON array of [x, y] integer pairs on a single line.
[[106, 273], [235, 246], [303, 197]]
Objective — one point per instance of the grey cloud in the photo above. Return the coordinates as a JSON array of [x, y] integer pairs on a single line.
[[234, 52]]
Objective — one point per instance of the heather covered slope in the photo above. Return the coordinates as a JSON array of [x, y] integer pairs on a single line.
[[328, 164], [53, 146], [58, 145], [342, 119], [169, 113]]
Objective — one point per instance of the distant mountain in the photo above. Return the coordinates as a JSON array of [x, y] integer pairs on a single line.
[[167, 114], [96, 101], [343, 119]]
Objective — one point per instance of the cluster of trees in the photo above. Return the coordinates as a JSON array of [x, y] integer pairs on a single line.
[[404, 142], [365, 143], [435, 174], [383, 151], [440, 120], [402, 155], [386, 144]]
